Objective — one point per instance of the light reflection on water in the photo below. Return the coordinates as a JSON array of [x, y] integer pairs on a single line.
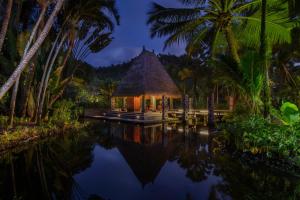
[[120, 161]]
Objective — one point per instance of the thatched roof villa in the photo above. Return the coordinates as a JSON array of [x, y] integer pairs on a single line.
[[147, 94], [144, 86], [147, 76]]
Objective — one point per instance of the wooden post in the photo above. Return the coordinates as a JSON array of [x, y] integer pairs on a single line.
[[164, 108], [190, 103], [186, 108], [143, 103], [112, 103], [171, 104], [153, 103], [124, 103], [231, 103]]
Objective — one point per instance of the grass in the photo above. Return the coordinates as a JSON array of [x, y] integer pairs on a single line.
[[21, 135]]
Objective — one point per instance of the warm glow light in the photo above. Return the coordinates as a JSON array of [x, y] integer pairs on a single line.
[[119, 115], [169, 128], [203, 132], [180, 130], [138, 117]]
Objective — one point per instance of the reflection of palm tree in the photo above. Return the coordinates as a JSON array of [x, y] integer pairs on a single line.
[[13, 175], [194, 159]]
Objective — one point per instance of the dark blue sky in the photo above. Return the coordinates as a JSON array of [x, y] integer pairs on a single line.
[[132, 34]]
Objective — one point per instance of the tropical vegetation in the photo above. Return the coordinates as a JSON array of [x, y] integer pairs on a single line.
[[42, 46], [246, 52], [250, 50]]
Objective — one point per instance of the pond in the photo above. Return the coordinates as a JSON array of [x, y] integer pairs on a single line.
[[120, 161]]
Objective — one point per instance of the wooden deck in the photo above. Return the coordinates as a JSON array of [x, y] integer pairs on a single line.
[[156, 117]]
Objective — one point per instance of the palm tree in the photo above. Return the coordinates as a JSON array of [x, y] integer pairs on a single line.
[[244, 81], [206, 23], [206, 20], [44, 5], [32, 51], [264, 62], [5, 22], [82, 17]]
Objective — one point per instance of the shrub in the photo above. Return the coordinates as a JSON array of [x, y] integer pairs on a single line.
[[65, 111], [258, 136], [3, 121]]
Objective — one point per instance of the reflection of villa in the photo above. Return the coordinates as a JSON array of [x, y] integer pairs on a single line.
[[145, 91], [145, 149]]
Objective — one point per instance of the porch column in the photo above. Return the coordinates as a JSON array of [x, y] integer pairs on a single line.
[[171, 104], [231, 103], [153, 102], [124, 103], [112, 103], [186, 108], [143, 104], [164, 107]]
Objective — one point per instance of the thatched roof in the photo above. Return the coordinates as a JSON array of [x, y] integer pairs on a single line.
[[147, 76]]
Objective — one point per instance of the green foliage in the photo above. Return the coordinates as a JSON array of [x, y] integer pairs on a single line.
[[3, 121], [246, 79], [65, 111], [289, 114], [258, 136]]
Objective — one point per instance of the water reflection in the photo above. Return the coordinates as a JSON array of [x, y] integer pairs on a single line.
[[119, 161]]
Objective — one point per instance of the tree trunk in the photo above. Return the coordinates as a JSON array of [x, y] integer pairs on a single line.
[[5, 22], [41, 86], [13, 103], [16, 87], [211, 113], [41, 104], [294, 12], [263, 53], [22, 65], [232, 45], [55, 98], [29, 80], [68, 54]]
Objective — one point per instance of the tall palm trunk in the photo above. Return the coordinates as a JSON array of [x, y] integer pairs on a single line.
[[56, 97], [265, 67], [210, 99], [294, 12], [16, 86], [42, 82], [13, 103], [211, 108], [44, 90], [68, 54], [28, 89], [5, 22], [22, 65], [232, 45]]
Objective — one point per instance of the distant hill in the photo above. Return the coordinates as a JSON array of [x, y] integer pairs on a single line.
[[172, 63]]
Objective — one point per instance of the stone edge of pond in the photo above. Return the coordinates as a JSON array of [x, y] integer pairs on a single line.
[[24, 135], [259, 160]]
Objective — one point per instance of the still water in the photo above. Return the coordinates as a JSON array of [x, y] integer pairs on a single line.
[[130, 162]]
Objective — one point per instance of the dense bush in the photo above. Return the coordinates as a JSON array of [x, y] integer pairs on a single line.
[[258, 136], [65, 111]]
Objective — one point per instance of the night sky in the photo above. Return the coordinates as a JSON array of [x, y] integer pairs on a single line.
[[132, 34]]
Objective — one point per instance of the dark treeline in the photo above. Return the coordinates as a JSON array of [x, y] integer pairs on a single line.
[[42, 44]]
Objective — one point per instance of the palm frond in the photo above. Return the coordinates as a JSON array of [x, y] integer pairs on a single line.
[[160, 13]]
